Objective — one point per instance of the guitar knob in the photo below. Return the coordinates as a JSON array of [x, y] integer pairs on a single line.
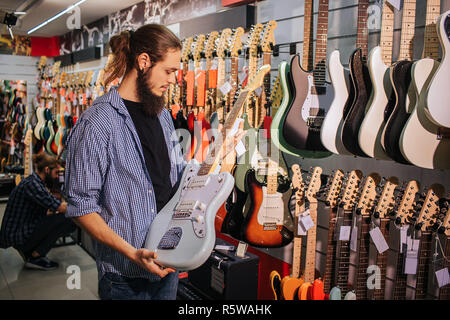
[[398, 220], [419, 226], [376, 214], [358, 211]]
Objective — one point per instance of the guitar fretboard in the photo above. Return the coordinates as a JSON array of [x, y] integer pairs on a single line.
[[423, 265], [343, 254], [362, 37], [363, 258], [382, 259], [308, 36], [328, 278], [431, 40], [321, 44], [211, 159], [387, 32], [408, 30], [310, 260]]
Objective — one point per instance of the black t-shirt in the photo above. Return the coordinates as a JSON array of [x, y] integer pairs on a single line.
[[155, 151]]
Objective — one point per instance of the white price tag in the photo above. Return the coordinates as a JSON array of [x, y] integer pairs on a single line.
[[344, 233], [225, 88], [442, 277], [242, 76], [354, 239], [411, 256], [395, 3], [306, 222], [235, 127], [300, 228], [214, 64], [240, 149], [378, 240], [403, 233]]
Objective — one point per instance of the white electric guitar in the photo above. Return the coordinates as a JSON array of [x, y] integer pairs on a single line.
[[334, 119], [182, 233], [379, 61], [422, 143], [438, 98]]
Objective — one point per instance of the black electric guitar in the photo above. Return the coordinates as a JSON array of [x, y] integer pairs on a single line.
[[361, 83]]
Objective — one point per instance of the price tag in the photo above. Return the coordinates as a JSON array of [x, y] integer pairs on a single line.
[[411, 256], [403, 233], [442, 277], [354, 239], [240, 149], [344, 233], [301, 231], [241, 249], [235, 127], [395, 3], [243, 75], [378, 240], [306, 222], [225, 88]]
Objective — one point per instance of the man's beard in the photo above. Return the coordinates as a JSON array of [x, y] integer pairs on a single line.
[[152, 103]]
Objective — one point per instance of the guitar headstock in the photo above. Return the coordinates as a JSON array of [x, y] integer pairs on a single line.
[[42, 63], [386, 201], [351, 190], [88, 78], [210, 43], [368, 194], [186, 50], [445, 225], [253, 39], [314, 185], [405, 209], [221, 45], [267, 37], [257, 80], [276, 95], [335, 189], [198, 47], [297, 182], [429, 212], [236, 43]]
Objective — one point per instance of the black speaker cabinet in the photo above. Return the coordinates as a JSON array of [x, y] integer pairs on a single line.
[[224, 276]]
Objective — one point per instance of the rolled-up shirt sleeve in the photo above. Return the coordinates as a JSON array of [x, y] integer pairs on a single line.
[[86, 166]]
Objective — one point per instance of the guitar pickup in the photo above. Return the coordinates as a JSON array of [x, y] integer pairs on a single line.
[[188, 206], [199, 182]]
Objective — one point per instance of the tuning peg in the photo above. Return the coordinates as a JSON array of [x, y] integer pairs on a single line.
[[358, 211], [392, 213], [441, 230], [376, 214], [419, 225]]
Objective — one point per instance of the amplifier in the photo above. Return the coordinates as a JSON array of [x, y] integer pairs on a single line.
[[224, 276]]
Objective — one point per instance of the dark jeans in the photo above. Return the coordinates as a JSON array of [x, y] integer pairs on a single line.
[[116, 287], [46, 233]]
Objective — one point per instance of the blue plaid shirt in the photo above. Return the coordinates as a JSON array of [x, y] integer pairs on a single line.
[[106, 173]]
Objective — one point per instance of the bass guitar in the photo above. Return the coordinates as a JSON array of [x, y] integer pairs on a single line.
[[182, 233]]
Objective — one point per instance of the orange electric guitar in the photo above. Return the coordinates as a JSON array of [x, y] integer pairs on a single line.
[[312, 289], [291, 284]]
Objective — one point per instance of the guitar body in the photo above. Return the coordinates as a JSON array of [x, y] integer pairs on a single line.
[[40, 124], [305, 291], [194, 139], [371, 129], [400, 78], [335, 294], [275, 284], [418, 141], [192, 209], [350, 296], [244, 161], [290, 287], [301, 127], [255, 230], [438, 97], [362, 88], [234, 219], [332, 124]]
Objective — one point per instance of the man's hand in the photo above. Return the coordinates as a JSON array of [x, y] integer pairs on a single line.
[[145, 259]]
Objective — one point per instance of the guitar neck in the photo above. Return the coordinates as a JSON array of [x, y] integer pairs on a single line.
[[321, 44], [362, 37], [328, 277], [343, 253], [211, 160], [363, 257], [310, 261], [308, 39], [408, 30], [382, 260], [431, 40], [266, 92], [423, 263], [234, 77]]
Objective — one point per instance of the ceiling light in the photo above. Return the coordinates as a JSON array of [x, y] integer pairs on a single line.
[[55, 16], [19, 13]]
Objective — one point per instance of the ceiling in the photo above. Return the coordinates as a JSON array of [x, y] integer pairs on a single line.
[[37, 11]]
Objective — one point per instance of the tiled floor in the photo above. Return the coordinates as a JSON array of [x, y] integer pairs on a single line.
[[17, 282]]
